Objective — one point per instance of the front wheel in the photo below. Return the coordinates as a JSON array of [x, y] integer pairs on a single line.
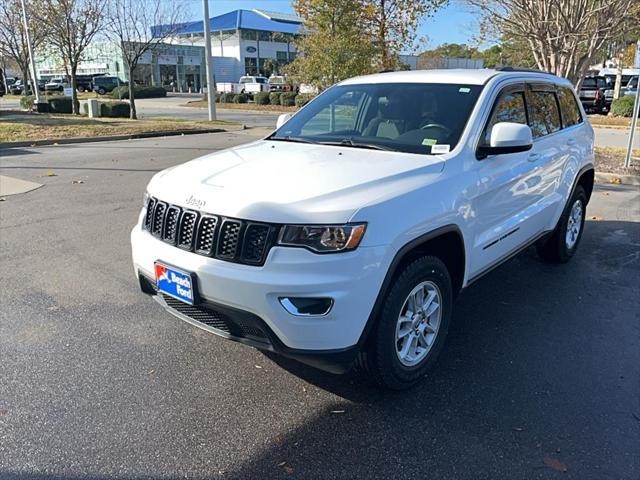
[[563, 242], [412, 325]]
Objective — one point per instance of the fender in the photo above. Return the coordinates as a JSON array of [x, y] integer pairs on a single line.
[[393, 267], [576, 181]]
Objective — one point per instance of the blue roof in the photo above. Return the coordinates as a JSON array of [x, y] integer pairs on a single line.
[[243, 20]]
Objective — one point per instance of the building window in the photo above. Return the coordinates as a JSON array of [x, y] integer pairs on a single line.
[[250, 66], [282, 57]]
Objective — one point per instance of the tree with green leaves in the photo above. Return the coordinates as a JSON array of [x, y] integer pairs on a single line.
[[72, 26], [393, 25], [336, 45]]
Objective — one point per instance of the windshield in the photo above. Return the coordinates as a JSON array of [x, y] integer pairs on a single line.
[[404, 117]]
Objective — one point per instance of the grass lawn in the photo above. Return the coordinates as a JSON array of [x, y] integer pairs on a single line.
[[243, 106], [609, 121], [17, 127], [611, 160]]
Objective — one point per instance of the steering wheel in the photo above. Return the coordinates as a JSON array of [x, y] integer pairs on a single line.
[[438, 126]]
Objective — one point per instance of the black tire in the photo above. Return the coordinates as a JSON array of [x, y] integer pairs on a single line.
[[81, 89], [380, 359], [554, 248], [102, 91]]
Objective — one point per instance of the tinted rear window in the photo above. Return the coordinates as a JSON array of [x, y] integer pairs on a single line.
[[569, 107], [594, 83], [544, 117]]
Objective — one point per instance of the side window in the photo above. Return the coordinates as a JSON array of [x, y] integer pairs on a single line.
[[510, 107], [544, 114], [568, 107]]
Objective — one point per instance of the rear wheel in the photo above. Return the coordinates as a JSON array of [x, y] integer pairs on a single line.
[[563, 242], [102, 91], [412, 325]]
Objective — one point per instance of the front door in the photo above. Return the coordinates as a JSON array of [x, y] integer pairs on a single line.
[[507, 210]]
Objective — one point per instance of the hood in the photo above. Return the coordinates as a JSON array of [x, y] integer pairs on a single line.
[[283, 182]]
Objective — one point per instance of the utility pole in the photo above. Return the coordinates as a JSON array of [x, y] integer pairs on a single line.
[[211, 92], [32, 61], [634, 114]]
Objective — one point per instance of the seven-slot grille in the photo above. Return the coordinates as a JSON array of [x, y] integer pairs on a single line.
[[228, 239]]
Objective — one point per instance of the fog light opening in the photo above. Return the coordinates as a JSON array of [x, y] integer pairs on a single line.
[[307, 307]]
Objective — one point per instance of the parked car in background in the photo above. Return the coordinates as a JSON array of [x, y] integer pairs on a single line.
[[17, 87], [308, 88], [631, 89], [105, 84], [84, 83], [248, 84], [254, 84], [56, 85], [279, 83], [346, 240], [592, 93]]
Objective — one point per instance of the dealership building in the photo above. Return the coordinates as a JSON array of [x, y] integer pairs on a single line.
[[244, 42]]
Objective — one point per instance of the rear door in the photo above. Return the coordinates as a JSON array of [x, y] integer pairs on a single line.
[[552, 147]]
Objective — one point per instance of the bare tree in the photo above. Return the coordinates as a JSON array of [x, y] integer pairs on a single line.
[[140, 26], [13, 41], [72, 26], [393, 25], [564, 35]]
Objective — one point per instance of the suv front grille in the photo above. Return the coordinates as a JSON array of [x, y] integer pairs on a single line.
[[229, 239]]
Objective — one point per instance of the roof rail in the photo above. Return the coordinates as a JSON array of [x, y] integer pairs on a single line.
[[517, 69]]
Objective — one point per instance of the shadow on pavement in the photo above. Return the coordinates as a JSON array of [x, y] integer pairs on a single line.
[[527, 379]]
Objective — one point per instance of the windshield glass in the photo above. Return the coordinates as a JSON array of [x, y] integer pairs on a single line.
[[409, 117]]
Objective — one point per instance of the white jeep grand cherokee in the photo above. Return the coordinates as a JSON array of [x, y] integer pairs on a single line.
[[345, 235]]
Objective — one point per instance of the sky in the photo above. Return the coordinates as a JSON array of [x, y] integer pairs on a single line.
[[452, 24]]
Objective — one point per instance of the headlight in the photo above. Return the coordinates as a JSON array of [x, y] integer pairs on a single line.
[[145, 200], [323, 239]]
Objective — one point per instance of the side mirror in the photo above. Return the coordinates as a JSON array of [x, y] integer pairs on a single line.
[[282, 119], [507, 137]]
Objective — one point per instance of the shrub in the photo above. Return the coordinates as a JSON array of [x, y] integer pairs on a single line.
[[303, 98], [240, 98], [218, 95], [262, 98], [115, 109], [288, 99], [139, 92], [227, 97], [60, 104], [623, 106], [26, 102], [274, 98]]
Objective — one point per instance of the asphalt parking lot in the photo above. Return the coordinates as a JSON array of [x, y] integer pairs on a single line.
[[540, 377]]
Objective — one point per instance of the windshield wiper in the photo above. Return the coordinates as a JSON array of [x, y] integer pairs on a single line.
[[348, 142], [291, 139]]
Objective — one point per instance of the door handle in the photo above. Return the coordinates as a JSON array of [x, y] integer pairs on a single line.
[[534, 157], [571, 141]]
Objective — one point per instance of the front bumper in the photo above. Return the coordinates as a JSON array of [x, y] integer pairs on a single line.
[[351, 279]]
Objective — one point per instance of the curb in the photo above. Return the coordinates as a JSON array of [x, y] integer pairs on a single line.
[[132, 136], [617, 179]]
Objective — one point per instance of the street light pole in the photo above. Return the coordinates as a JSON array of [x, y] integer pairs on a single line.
[[34, 78], [211, 93], [634, 114]]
